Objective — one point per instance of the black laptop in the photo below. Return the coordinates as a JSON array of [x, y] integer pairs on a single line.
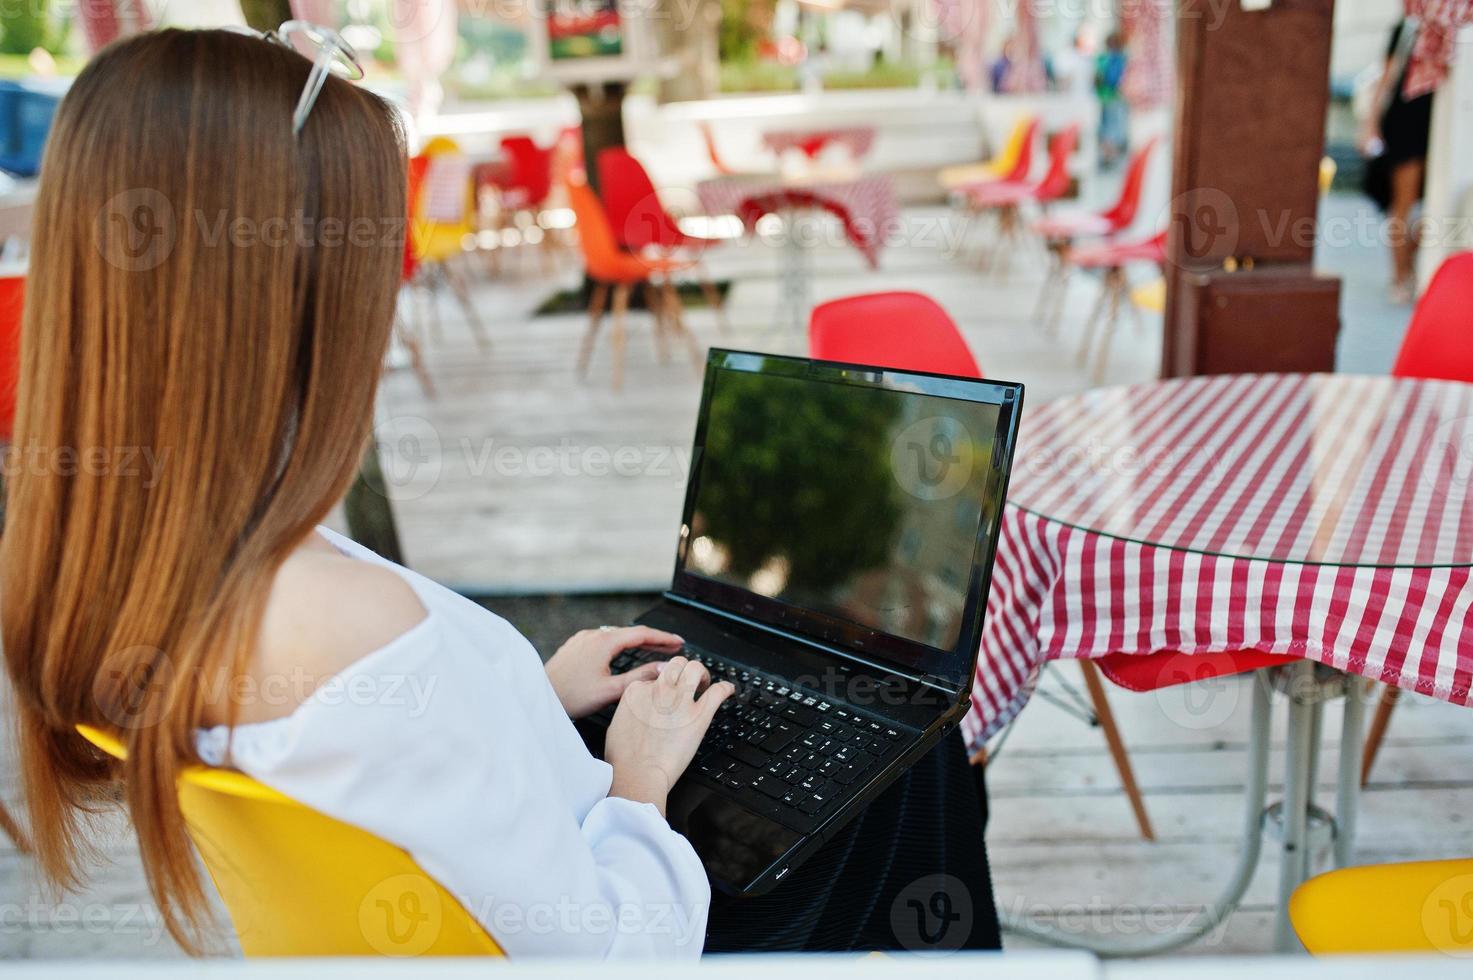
[[833, 563]]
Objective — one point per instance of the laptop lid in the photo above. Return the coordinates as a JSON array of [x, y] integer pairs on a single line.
[[854, 506]]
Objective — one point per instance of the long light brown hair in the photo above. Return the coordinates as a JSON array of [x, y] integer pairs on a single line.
[[208, 307]]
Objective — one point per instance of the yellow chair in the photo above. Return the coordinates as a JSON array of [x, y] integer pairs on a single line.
[[1150, 296], [1415, 907], [299, 883], [999, 167], [437, 242]]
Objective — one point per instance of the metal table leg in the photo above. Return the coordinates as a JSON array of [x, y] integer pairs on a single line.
[[1347, 790], [1213, 915], [795, 272], [1298, 770]]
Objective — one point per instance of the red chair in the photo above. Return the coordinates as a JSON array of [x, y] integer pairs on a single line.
[[1111, 260], [1438, 344], [530, 179], [12, 306], [641, 222], [612, 269], [910, 332], [1004, 199], [901, 330], [1060, 231], [513, 196]]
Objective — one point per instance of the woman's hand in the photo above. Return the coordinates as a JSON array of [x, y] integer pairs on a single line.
[[579, 671], [657, 727]]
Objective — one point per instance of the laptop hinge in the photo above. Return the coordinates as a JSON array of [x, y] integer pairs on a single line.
[[926, 680]]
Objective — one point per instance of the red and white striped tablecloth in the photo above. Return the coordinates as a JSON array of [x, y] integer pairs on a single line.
[[867, 206], [856, 139], [1323, 516]]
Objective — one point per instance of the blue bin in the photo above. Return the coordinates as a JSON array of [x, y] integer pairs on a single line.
[[26, 111]]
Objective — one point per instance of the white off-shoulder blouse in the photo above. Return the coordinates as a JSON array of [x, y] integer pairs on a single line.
[[451, 743]]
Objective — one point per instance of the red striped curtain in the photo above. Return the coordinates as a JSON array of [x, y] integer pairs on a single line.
[[1025, 71], [962, 25], [104, 21], [1148, 70], [1432, 55]]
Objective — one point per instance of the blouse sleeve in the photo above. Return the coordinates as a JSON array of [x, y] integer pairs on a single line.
[[464, 776]]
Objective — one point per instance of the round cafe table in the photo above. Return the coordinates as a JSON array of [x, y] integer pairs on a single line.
[[1326, 517]]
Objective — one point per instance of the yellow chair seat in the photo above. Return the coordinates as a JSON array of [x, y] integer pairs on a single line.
[[1415, 907], [1150, 296], [297, 882], [999, 166]]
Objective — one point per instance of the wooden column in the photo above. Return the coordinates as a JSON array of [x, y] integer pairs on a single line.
[[1253, 88]]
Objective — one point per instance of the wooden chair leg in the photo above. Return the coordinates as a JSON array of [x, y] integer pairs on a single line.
[[410, 342], [1116, 744], [618, 339], [654, 299], [461, 289], [1087, 339], [677, 322], [12, 829], [1377, 732], [1117, 286], [595, 318], [713, 300]]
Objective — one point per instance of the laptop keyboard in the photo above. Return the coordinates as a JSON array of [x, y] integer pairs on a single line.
[[775, 745]]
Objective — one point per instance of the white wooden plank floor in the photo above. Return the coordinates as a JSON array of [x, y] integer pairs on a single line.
[[1062, 838], [503, 481]]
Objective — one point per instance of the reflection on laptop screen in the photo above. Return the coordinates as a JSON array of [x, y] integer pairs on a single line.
[[860, 503]]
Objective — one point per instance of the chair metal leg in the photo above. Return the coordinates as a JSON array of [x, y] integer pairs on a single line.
[[1116, 744], [595, 318], [1379, 721]]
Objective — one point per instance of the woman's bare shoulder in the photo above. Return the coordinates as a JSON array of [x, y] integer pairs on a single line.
[[325, 612]]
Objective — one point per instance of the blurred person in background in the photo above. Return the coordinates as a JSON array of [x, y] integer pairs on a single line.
[[1114, 114], [1393, 138]]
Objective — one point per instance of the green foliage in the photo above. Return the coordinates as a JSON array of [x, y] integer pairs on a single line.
[[739, 34], [770, 468], [266, 15], [30, 25]]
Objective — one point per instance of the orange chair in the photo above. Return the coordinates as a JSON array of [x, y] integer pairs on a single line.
[[614, 270]]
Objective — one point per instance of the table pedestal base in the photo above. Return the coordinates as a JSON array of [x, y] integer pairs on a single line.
[[1299, 825]]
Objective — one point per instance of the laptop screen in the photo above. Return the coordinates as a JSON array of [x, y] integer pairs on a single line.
[[857, 506]]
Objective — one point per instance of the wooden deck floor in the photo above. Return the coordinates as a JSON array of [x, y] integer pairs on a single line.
[[1062, 839], [503, 482]]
